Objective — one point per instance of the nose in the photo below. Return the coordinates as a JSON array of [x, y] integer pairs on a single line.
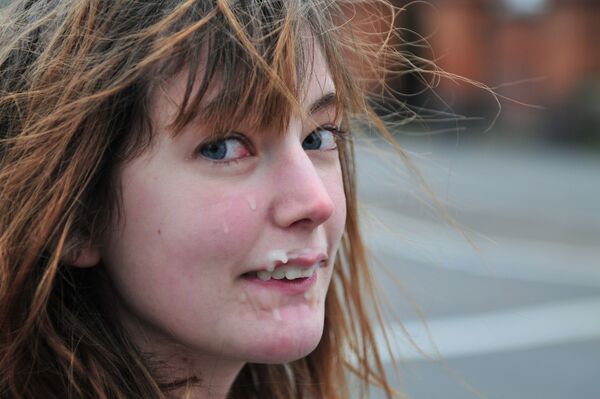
[[302, 199]]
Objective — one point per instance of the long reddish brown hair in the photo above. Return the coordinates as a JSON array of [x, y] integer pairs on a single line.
[[75, 79]]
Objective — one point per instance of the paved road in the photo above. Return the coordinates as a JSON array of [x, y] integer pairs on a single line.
[[515, 313]]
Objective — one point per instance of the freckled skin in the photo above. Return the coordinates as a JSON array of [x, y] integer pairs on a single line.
[[191, 229]]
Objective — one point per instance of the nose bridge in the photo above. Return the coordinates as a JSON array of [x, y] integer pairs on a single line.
[[302, 197]]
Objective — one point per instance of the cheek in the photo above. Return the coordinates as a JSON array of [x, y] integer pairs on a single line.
[[211, 230], [200, 233], [337, 221], [172, 234], [179, 249]]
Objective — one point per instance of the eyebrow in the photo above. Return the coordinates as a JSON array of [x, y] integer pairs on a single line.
[[323, 102]]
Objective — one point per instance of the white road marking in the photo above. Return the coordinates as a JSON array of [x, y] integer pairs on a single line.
[[493, 332], [441, 246]]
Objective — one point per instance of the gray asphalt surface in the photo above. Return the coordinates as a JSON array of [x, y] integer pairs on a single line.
[[515, 313]]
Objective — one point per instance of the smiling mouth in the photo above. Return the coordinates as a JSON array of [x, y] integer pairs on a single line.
[[284, 273]]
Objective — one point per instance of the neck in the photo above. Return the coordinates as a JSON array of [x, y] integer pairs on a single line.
[[213, 379], [195, 377]]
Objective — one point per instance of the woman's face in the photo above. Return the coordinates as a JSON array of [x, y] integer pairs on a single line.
[[202, 219]]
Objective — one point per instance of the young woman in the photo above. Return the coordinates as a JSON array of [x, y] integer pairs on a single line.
[[178, 214]]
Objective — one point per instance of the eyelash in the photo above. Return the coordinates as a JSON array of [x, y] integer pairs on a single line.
[[338, 133]]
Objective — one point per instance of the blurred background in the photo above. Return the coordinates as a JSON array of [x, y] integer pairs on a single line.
[[507, 305], [541, 53]]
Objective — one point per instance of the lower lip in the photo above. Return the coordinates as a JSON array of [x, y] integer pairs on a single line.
[[290, 287]]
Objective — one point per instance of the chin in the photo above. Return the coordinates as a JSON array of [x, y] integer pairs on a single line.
[[285, 342], [285, 350]]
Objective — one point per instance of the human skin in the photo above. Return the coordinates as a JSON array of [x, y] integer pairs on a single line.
[[191, 227]]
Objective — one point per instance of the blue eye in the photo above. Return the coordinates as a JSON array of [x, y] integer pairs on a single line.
[[322, 138], [227, 149]]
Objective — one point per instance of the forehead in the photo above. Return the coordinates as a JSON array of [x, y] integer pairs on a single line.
[[317, 81], [315, 91]]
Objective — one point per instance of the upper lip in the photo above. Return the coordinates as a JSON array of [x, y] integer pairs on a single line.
[[305, 260]]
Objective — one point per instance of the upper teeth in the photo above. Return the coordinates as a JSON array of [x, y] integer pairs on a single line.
[[290, 272]]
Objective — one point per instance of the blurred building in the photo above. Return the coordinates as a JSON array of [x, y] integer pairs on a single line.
[[540, 52]]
